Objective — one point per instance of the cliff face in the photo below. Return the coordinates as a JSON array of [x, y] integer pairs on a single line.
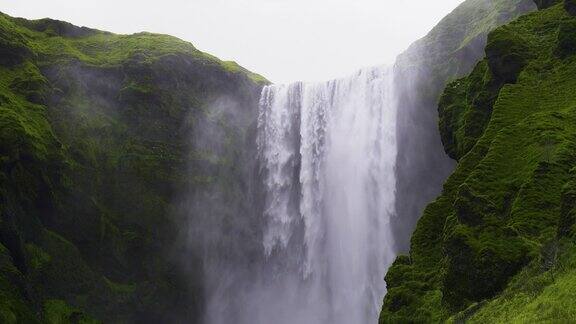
[[497, 245], [96, 141], [449, 51], [101, 135]]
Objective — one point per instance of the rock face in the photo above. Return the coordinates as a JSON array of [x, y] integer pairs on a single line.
[[497, 241], [96, 142], [449, 51], [507, 55], [570, 6], [543, 4], [566, 39]]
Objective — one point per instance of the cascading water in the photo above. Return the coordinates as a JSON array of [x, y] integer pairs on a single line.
[[327, 154]]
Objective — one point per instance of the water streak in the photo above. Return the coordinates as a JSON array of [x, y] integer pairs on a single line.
[[327, 155]]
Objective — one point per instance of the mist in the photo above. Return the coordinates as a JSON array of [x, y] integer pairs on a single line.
[[298, 230], [170, 186]]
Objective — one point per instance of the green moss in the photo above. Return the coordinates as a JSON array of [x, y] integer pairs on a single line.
[[61, 41], [13, 304], [234, 67], [566, 39], [95, 130], [507, 53], [59, 312], [465, 109], [452, 53], [510, 124], [538, 294], [567, 222], [24, 128]]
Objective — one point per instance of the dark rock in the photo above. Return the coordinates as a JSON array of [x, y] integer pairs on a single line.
[[568, 209], [507, 55], [566, 39], [13, 50], [471, 208], [543, 4], [11, 239], [570, 6], [479, 269]]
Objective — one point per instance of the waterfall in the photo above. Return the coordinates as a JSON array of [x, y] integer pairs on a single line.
[[326, 156]]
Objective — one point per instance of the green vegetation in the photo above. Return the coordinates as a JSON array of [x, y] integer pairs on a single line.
[[449, 51], [95, 144], [451, 48], [58, 312], [543, 292], [498, 244], [95, 137]]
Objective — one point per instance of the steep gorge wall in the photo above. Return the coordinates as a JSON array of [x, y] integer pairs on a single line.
[[497, 245], [449, 51], [96, 147], [101, 132]]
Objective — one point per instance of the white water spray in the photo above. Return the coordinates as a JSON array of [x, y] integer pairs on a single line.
[[327, 152]]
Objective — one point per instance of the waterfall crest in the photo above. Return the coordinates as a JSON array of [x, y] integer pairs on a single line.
[[326, 155]]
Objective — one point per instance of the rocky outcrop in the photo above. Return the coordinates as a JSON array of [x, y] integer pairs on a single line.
[[570, 6], [507, 54], [566, 39]]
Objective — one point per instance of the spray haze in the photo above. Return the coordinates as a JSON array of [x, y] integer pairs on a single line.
[[326, 155], [192, 190], [343, 170]]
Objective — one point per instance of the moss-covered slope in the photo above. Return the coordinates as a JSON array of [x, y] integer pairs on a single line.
[[449, 51], [94, 141], [497, 245]]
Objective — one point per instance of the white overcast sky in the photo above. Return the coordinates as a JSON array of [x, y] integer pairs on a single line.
[[284, 40]]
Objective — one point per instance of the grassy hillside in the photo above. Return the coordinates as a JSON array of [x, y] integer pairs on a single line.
[[95, 143], [498, 245]]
